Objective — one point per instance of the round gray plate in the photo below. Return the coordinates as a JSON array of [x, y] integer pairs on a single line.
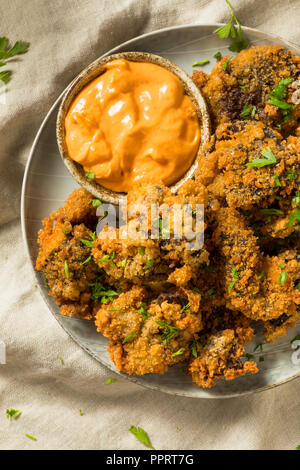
[[47, 184]]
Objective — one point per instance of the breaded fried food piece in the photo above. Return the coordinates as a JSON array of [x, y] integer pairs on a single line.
[[69, 269], [248, 80], [254, 284], [285, 269], [143, 256], [220, 358], [65, 259], [232, 165], [148, 336]]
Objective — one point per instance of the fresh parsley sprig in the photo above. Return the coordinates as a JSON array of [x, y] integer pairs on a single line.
[[141, 435], [7, 52], [233, 29]]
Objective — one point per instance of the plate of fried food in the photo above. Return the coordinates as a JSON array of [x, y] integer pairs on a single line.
[[215, 108]]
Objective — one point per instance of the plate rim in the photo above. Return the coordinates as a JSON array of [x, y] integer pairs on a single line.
[[131, 378]]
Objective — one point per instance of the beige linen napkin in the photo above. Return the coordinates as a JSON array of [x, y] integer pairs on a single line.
[[65, 36]]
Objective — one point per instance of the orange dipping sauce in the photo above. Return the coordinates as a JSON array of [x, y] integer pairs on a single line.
[[133, 125]]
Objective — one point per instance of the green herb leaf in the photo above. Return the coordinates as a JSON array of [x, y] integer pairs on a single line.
[[225, 65], [202, 62], [178, 353], [129, 338], [296, 200], [291, 174], [141, 435], [282, 278], [194, 348], [261, 162], [13, 414], [218, 56], [149, 263], [66, 269], [277, 180], [142, 250], [80, 412], [87, 243], [90, 175], [271, 211], [96, 202], [111, 380], [31, 437], [246, 110], [169, 331], [87, 260], [61, 360]]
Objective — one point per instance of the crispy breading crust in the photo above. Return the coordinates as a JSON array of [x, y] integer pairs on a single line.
[[248, 79]]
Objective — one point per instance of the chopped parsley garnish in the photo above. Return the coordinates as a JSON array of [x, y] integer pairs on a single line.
[[297, 287], [246, 110], [225, 65], [61, 360], [244, 87], [253, 111], [296, 200], [141, 435], [202, 62], [262, 274], [92, 235], [149, 263], [87, 243], [128, 338], [291, 174], [185, 307], [218, 56], [90, 174], [86, 260], [233, 29], [282, 266], [260, 162], [124, 261], [169, 331], [7, 52], [96, 202], [107, 258], [294, 217], [271, 211], [66, 269], [282, 278], [114, 309], [80, 412], [178, 353], [102, 292], [31, 437], [13, 414], [194, 348], [142, 311], [111, 380], [235, 275], [277, 180], [277, 96], [142, 250]]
